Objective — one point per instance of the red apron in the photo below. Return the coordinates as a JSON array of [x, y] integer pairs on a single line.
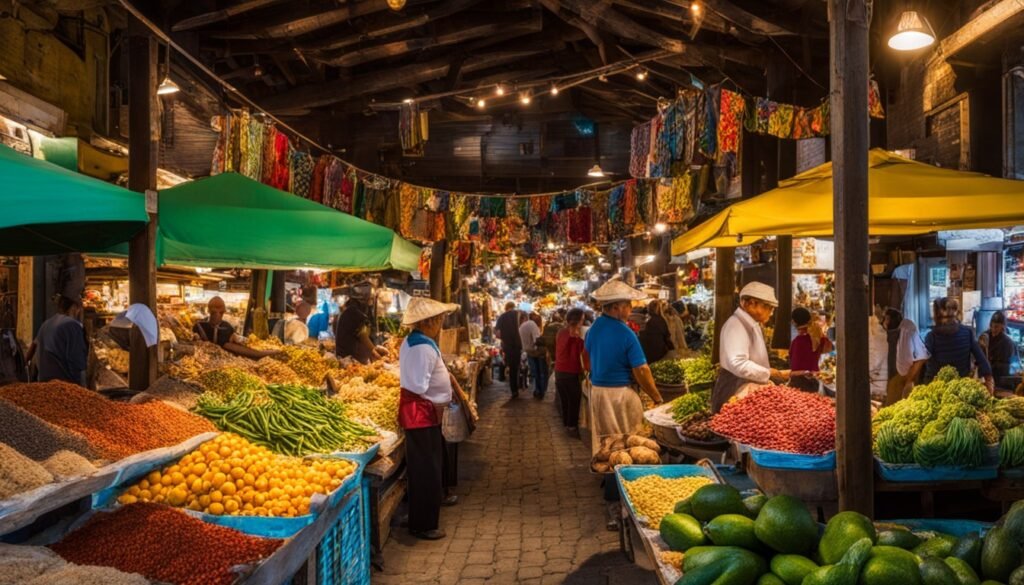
[[416, 412]]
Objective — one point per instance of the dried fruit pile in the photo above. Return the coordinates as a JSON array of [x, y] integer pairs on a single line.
[[780, 418], [163, 544], [115, 430]]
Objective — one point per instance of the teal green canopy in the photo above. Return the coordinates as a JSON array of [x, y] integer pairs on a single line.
[[231, 220], [46, 209]]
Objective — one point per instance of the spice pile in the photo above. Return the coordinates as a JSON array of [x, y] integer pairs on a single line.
[[173, 390], [654, 496], [19, 473], [372, 402], [207, 356], [163, 544], [36, 565], [37, 439], [307, 363], [779, 418], [229, 475], [114, 430]]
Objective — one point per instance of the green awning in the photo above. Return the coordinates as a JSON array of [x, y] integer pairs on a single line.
[[47, 209], [231, 220]]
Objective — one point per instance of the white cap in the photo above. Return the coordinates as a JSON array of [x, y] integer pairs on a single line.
[[422, 308], [616, 290], [761, 292]]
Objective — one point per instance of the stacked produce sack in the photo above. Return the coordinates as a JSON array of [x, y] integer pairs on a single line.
[[727, 540], [948, 422]]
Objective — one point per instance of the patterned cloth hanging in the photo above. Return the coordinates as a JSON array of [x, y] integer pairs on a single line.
[[629, 206], [599, 216], [765, 110], [616, 212], [640, 150], [301, 173], [346, 192], [492, 207], [690, 122], [875, 109], [539, 208], [359, 199], [279, 178], [316, 187], [802, 118], [413, 126], [269, 154], [820, 122], [222, 124], [675, 198], [661, 153], [709, 127], [780, 125], [580, 222], [409, 200], [333, 178], [645, 205], [458, 227], [233, 149], [729, 121]]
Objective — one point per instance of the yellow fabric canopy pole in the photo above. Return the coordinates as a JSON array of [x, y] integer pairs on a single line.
[[905, 198]]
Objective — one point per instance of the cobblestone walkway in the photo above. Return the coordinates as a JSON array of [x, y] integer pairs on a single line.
[[529, 510]]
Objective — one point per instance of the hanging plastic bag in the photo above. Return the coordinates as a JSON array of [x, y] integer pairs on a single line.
[[453, 423]]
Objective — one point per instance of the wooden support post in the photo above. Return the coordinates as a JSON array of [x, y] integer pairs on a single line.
[[143, 128], [437, 257], [725, 292], [278, 295], [849, 22], [784, 291], [780, 163]]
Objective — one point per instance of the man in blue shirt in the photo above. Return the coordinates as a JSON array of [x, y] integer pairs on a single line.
[[615, 360]]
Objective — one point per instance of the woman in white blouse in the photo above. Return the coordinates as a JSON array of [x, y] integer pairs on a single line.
[[427, 388]]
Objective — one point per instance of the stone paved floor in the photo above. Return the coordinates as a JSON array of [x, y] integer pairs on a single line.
[[530, 512]]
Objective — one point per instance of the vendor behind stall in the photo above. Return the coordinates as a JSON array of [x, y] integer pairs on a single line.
[[616, 361], [60, 349], [742, 349], [352, 330], [218, 331]]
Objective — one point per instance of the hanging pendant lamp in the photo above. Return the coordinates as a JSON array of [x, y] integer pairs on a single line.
[[913, 32]]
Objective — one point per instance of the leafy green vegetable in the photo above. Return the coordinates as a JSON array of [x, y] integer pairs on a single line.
[[699, 370], [668, 372], [687, 404]]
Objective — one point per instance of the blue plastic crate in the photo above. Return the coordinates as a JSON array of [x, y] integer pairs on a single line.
[[344, 551], [634, 472], [953, 527], [911, 473]]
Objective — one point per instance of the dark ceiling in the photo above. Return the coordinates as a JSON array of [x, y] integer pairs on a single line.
[[337, 70]]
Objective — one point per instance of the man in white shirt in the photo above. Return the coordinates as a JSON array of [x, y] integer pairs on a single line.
[[743, 354], [530, 334], [294, 330]]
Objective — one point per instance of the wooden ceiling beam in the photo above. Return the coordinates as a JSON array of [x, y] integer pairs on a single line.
[[340, 90], [207, 18], [306, 22], [444, 10], [667, 10], [740, 17], [478, 29], [603, 16]]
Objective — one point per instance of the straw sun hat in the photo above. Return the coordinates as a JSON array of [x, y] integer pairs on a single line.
[[761, 292], [422, 308], [616, 290]]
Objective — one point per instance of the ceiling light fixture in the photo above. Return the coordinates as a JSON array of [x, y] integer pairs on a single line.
[[659, 228], [595, 171], [554, 89], [167, 86], [407, 101], [481, 103], [641, 75], [499, 90], [695, 8], [912, 32], [524, 98]]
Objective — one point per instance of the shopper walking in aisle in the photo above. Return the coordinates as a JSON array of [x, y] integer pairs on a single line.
[[616, 362], [426, 389], [742, 349], [550, 335], [806, 349], [507, 330], [676, 331], [999, 349], [951, 343], [60, 349], [907, 355], [536, 353], [569, 369], [655, 337], [320, 321]]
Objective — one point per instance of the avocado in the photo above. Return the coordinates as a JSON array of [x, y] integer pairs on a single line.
[[844, 529], [1013, 522], [899, 538], [964, 573], [770, 579], [716, 499], [733, 530], [937, 572], [1017, 576], [721, 565], [754, 504], [846, 571], [1000, 554], [899, 553], [704, 575], [684, 507], [939, 546], [785, 525], [968, 549], [700, 556], [889, 570], [681, 532], [792, 568]]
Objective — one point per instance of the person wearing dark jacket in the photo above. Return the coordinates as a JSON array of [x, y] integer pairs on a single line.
[[998, 347], [655, 337], [507, 330], [951, 343]]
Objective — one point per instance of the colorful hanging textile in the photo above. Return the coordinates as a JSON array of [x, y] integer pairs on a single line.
[[539, 207], [780, 125], [579, 228], [222, 125], [639, 149], [599, 216], [301, 173], [630, 213], [346, 191], [709, 125], [802, 118], [661, 151], [413, 127], [458, 227], [616, 212], [874, 101], [316, 187], [232, 150], [333, 178], [729, 121], [279, 178], [492, 207], [690, 124], [645, 204], [674, 198], [269, 154], [409, 200], [765, 110], [359, 200], [820, 122]]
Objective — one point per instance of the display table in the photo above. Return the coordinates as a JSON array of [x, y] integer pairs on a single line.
[[384, 487]]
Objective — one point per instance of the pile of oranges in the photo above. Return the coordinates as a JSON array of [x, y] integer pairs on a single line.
[[232, 476]]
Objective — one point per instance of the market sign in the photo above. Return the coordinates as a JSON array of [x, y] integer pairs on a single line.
[[813, 254]]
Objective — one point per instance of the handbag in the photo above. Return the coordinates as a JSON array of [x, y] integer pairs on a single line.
[[454, 426]]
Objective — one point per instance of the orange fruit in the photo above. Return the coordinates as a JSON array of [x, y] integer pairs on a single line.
[[216, 509]]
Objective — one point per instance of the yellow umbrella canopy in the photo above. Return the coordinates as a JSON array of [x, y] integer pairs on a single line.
[[905, 197]]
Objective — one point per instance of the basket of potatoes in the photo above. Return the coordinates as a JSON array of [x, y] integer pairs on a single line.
[[625, 450]]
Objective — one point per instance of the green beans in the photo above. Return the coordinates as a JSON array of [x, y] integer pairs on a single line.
[[292, 420]]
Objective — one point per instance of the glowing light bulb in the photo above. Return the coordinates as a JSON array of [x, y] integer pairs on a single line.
[[554, 89], [499, 90], [481, 103], [524, 99], [695, 8], [641, 75], [659, 228]]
